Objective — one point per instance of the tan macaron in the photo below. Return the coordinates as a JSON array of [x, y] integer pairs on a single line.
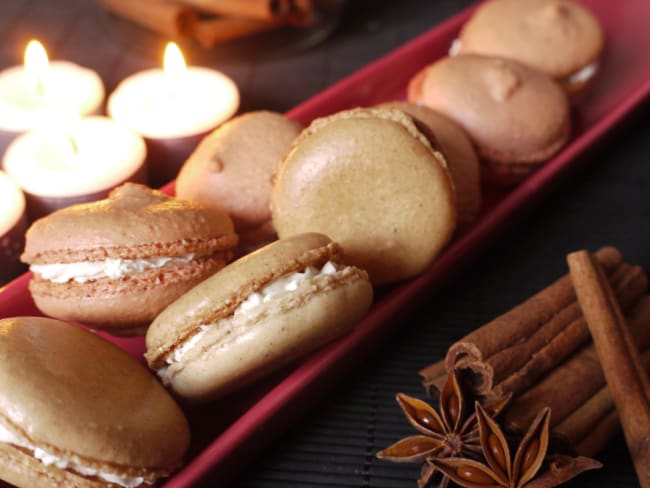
[[75, 410], [116, 263], [232, 168], [516, 116], [372, 182], [462, 161], [257, 314], [561, 38]]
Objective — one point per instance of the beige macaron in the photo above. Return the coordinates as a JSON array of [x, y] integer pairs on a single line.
[[372, 182], [561, 38], [517, 117], [116, 263], [445, 135], [257, 314], [77, 411], [232, 168]]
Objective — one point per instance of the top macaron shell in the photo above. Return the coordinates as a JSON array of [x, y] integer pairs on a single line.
[[236, 349], [133, 222], [77, 396], [557, 37], [512, 113], [371, 181], [232, 168]]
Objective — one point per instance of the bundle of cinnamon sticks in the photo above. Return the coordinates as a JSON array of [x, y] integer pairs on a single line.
[[541, 351], [211, 22]]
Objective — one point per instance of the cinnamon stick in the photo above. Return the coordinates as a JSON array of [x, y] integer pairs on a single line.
[[567, 387], [249, 9], [161, 16], [619, 358], [210, 32]]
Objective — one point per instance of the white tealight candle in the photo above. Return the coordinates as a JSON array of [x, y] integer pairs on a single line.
[[12, 228], [79, 163], [42, 93], [173, 108]]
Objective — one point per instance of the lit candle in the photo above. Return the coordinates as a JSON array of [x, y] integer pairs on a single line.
[[12, 228], [173, 108], [82, 162], [41, 93]]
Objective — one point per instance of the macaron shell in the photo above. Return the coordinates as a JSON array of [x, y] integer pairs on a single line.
[[557, 37], [232, 167], [281, 332], [21, 469], [370, 181], [512, 113], [459, 153], [133, 222], [72, 392], [217, 296], [126, 306]]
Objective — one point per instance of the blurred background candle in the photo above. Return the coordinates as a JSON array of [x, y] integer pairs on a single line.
[[41, 93], [12, 228], [173, 108], [57, 167]]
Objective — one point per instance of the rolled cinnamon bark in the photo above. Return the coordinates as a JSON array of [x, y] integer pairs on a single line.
[[566, 388], [211, 32], [161, 16], [248, 9], [620, 360]]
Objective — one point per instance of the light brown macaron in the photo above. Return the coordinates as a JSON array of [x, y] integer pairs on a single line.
[[462, 161], [257, 314], [232, 168], [77, 411], [561, 38], [116, 263], [372, 182], [517, 117]]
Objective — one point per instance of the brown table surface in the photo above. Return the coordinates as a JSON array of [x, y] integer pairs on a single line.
[[606, 202]]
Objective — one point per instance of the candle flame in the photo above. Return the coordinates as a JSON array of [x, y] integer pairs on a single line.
[[174, 66], [36, 65]]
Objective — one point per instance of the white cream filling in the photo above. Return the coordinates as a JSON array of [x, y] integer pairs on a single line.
[[281, 285], [82, 272], [584, 74], [455, 47], [60, 462]]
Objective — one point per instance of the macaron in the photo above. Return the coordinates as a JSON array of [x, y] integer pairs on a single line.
[[462, 161], [516, 116], [75, 410], [231, 169], [370, 180], [561, 38], [257, 314], [116, 263]]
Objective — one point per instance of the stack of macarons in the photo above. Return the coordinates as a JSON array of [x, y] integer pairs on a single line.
[[509, 81]]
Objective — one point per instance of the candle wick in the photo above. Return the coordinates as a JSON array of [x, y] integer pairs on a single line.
[[73, 144]]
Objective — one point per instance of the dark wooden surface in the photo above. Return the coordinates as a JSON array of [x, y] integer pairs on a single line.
[[606, 202]]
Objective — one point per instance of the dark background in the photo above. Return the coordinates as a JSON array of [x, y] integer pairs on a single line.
[[605, 202]]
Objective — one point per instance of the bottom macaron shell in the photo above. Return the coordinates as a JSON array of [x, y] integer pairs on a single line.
[[21, 469], [273, 341], [126, 306]]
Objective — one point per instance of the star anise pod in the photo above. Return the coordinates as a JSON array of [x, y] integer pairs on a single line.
[[502, 470], [449, 433]]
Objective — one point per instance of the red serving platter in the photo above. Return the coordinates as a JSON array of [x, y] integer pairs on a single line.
[[227, 433]]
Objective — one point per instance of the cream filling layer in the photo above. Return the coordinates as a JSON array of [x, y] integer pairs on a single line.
[[82, 272], [278, 287], [49, 459]]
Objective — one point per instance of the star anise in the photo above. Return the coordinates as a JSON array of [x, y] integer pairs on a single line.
[[450, 433], [502, 470]]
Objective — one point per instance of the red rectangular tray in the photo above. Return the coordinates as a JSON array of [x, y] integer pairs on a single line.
[[226, 434]]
